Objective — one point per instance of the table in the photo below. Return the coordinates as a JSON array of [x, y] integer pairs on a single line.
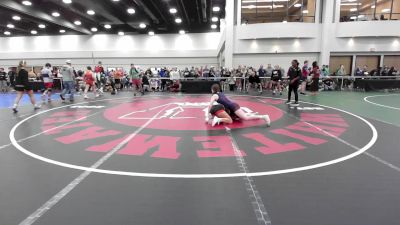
[[375, 84], [197, 86]]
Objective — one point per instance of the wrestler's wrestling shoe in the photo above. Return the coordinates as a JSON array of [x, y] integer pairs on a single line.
[[267, 120], [215, 121]]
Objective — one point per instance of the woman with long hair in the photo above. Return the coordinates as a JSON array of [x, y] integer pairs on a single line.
[[232, 107], [315, 78], [22, 85]]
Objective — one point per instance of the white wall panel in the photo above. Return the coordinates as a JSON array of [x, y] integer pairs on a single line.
[[278, 30], [283, 60]]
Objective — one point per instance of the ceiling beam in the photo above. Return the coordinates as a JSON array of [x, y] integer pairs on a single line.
[[185, 12], [204, 10], [147, 11], [198, 9], [5, 28], [159, 12], [31, 12]]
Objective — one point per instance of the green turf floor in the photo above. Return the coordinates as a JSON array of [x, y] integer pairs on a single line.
[[354, 102]]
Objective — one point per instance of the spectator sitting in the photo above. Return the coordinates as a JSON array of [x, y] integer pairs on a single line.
[[365, 70], [325, 71], [32, 75], [359, 72], [186, 73], [392, 71], [205, 72]]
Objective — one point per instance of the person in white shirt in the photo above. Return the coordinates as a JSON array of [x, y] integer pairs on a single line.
[[175, 75], [47, 77]]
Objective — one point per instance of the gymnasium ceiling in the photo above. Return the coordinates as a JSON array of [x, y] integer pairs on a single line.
[[59, 17]]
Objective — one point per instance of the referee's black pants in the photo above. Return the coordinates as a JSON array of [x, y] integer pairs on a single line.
[[293, 87]]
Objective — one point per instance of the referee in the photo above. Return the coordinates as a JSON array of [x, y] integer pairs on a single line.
[[294, 75]]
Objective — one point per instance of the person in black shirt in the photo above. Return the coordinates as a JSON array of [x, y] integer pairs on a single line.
[[294, 75], [392, 71], [3, 80], [145, 83], [276, 78], [22, 85], [11, 76]]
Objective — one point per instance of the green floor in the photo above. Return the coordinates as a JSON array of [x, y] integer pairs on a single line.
[[354, 102]]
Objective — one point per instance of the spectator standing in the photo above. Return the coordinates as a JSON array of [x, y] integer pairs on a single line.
[[22, 85], [89, 82], [47, 77], [68, 76], [99, 74], [11, 76], [135, 79], [305, 71], [268, 71], [3, 80], [315, 78], [145, 82]]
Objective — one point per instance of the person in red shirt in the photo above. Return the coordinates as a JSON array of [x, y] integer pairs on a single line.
[[90, 82], [315, 78]]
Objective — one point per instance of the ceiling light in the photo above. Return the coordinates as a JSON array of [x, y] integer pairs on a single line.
[[27, 3], [353, 9], [42, 26], [94, 29], [33, 32], [142, 25], [91, 12], [151, 33], [107, 26], [78, 23], [216, 9], [7, 33], [385, 10], [173, 10], [298, 5], [55, 14], [178, 20], [182, 32], [11, 26], [131, 11], [121, 33], [62, 31], [214, 19], [67, 1], [213, 26], [115, 0], [16, 18]]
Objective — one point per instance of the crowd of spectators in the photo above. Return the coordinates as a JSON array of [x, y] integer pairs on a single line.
[[241, 78]]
